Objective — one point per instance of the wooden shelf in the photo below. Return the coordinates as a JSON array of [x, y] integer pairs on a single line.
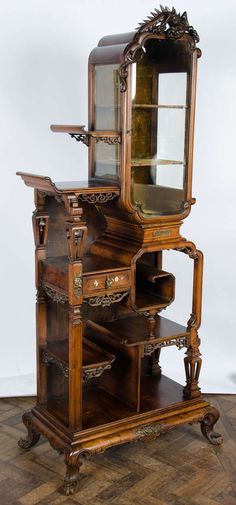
[[134, 330], [93, 355], [146, 301]]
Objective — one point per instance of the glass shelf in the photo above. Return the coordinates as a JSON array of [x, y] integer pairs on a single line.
[[155, 106], [140, 162]]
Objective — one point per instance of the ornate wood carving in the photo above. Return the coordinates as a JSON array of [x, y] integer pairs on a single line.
[[168, 22], [161, 22], [106, 300], [55, 295], [192, 363], [81, 137], [73, 463], [57, 197], [94, 372], [110, 140], [48, 359], [97, 197], [192, 252], [179, 342], [211, 416], [33, 435], [149, 431], [78, 284]]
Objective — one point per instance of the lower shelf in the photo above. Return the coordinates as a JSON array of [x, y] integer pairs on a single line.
[[99, 407]]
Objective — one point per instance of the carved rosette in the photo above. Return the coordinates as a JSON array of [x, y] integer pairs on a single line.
[[106, 300], [97, 198]]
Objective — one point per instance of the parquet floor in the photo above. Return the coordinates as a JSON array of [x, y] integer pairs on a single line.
[[178, 468]]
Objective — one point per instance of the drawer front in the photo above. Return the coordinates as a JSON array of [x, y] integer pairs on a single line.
[[113, 281]]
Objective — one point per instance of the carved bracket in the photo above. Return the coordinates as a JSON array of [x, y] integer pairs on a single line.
[[179, 342], [95, 372], [48, 359], [56, 296], [106, 300], [81, 137]]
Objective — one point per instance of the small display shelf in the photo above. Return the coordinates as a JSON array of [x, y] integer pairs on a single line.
[[95, 359], [134, 330]]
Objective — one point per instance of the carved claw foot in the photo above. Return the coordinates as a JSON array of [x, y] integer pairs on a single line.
[[33, 435], [72, 477], [211, 417]]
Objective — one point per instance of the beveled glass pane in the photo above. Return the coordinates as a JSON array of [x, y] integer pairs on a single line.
[[160, 109]]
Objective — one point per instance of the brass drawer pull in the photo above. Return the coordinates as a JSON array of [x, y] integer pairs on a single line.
[[108, 282]]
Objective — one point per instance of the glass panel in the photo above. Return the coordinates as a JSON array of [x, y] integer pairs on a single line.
[[106, 117], [107, 160], [159, 117], [107, 98]]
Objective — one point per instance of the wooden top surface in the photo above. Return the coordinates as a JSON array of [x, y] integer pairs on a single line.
[[45, 183], [91, 264]]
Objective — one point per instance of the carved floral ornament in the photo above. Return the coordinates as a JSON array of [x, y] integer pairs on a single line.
[[162, 21]]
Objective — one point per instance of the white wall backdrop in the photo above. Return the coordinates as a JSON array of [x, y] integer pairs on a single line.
[[43, 59]]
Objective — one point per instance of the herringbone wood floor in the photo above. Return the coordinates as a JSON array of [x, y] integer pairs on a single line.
[[179, 468]]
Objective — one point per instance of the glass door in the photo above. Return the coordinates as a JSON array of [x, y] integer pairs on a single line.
[[160, 116]]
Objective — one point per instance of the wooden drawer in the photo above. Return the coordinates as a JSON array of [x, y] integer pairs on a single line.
[[109, 282]]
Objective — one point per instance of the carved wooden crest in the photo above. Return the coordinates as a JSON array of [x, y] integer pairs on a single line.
[[167, 21]]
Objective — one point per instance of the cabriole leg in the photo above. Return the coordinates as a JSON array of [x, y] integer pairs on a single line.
[[72, 476], [33, 435], [207, 423]]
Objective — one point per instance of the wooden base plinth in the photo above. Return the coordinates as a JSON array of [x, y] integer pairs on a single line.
[[146, 425]]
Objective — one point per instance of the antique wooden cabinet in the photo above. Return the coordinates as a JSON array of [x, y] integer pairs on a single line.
[[101, 286]]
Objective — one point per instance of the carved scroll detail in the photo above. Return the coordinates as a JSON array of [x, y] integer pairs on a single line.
[[56, 296], [110, 140], [149, 431], [211, 416], [97, 197], [33, 435], [94, 372], [106, 300], [179, 342]]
